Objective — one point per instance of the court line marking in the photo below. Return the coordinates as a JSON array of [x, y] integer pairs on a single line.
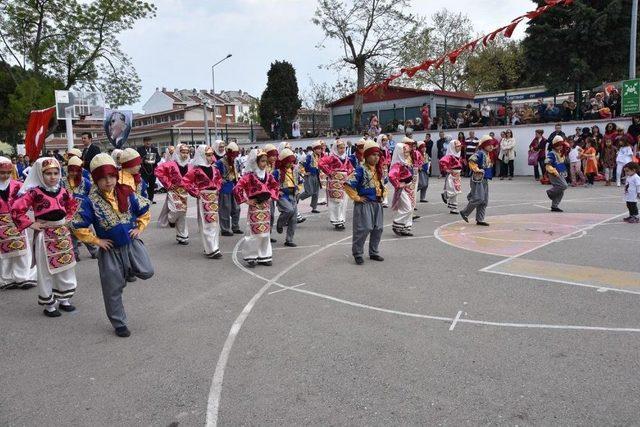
[[455, 320], [282, 290]]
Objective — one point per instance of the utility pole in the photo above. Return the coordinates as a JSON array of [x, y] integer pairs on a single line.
[[633, 39], [213, 83]]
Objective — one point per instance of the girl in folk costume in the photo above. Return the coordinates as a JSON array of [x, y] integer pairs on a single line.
[[218, 149], [312, 176], [415, 161], [323, 177], [174, 211], [53, 207], [482, 173], [423, 172], [591, 161], [272, 160], [79, 186], [385, 158], [130, 162], [228, 208], [451, 165], [288, 178], [337, 168], [401, 176], [204, 182], [118, 215], [366, 189], [15, 256], [357, 158], [257, 188], [557, 171]]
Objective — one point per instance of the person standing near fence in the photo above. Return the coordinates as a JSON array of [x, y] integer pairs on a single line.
[[507, 155]]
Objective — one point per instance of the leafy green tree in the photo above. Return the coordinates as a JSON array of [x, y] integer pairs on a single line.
[[499, 65], [280, 97]]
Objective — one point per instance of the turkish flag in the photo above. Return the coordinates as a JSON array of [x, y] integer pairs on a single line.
[[41, 123]]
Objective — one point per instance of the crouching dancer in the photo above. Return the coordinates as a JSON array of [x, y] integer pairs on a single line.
[[118, 215]]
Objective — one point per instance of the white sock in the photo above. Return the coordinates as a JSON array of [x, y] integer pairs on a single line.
[[50, 307]]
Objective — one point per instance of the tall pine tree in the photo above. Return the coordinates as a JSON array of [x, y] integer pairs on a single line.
[[280, 98]]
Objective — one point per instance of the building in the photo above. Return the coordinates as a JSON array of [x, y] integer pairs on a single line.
[[242, 102], [313, 122], [397, 104]]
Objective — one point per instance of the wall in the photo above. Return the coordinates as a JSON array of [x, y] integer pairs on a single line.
[[157, 102]]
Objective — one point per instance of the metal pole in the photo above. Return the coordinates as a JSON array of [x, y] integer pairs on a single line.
[[215, 110], [69, 125], [633, 37], [207, 141]]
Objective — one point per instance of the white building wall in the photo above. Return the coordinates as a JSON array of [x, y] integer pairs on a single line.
[[158, 102], [401, 103]]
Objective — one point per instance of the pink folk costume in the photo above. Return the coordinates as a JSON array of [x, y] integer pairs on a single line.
[[53, 207], [261, 187], [174, 211], [337, 168], [16, 270], [401, 177], [385, 159], [203, 182]]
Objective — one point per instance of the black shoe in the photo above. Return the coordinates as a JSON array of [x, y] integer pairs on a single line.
[[424, 201], [172, 225], [359, 260], [251, 264], [226, 233], [466, 218], [153, 203], [396, 232], [183, 242], [301, 220], [416, 217], [444, 198], [273, 240], [123, 332], [26, 285], [67, 308], [238, 231], [131, 279], [54, 313], [407, 234], [556, 210], [315, 211], [376, 258], [279, 229], [267, 263], [214, 255], [486, 224], [290, 244], [454, 212]]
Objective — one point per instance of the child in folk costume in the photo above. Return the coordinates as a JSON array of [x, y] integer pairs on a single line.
[[385, 158], [16, 270], [288, 178], [451, 165], [401, 176], [79, 186], [591, 161], [423, 172], [415, 162], [272, 160], [482, 173], [218, 149], [312, 176], [74, 152], [174, 211], [130, 163], [608, 160], [229, 211], [366, 189], [257, 188], [204, 182], [337, 168], [557, 172], [118, 216], [53, 207], [115, 155], [322, 199], [357, 158], [300, 170]]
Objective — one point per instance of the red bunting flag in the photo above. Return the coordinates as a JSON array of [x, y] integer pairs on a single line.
[[511, 27], [39, 126]]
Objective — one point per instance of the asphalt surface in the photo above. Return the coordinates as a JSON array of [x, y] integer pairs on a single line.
[[384, 343]]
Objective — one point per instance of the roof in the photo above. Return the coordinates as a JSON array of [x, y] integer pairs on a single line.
[[397, 92]]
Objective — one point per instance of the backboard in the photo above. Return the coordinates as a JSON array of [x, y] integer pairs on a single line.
[[80, 104]]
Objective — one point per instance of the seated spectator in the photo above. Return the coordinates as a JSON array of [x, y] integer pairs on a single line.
[[501, 115], [459, 121], [485, 113], [540, 109], [528, 115], [551, 113], [515, 118]]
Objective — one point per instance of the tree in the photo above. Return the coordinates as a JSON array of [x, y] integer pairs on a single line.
[[499, 65], [74, 41], [280, 98], [579, 46], [317, 96], [371, 34]]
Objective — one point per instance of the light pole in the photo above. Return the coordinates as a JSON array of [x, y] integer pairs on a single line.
[[213, 82], [634, 36], [207, 141]]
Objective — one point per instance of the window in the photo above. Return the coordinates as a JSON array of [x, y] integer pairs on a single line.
[[229, 110]]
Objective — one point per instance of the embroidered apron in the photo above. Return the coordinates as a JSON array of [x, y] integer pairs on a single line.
[[335, 184], [58, 246], [208, 204], [13, 243], [259, 218], [177, 200]]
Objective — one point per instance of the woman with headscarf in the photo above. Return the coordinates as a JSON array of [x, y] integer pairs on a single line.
[[257, 188], [15, 257], [203, 181], [174, 210], [401, 177], [53, 207], [337, 168], [451, 165]]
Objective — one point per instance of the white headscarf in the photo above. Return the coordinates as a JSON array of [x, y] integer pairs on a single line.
[[5, 184], [383, 144], [36, 177], [450, 148], [283, 145], [398, 154], [216, 147], [176, 156], [334, 149], [199, 158], [252, 163]]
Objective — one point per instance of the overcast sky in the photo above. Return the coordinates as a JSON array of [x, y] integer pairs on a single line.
[[178, 47]]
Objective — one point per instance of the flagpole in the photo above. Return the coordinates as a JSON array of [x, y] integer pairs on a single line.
[[633, 39]]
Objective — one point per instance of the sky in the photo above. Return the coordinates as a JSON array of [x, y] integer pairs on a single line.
[[177, 48]]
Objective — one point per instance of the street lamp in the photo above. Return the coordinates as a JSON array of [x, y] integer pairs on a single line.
[[213, 82], [205, 104]]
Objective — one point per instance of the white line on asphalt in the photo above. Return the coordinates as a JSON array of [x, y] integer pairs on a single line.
[[281, 248], [282, 290], [455, 320]]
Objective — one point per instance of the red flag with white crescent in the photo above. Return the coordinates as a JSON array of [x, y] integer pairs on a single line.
[[38, 128]]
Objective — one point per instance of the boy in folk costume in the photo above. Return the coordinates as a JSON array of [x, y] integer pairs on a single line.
[[337, 168], [401, 176], [272, 160], [229, 210], [482, 173], [204, 182], [257, 188], [557, 172], [423, 172], [74, 152], [312, 176], [357, 158], [118, 215], [366, 189], [174, 211], [15, 255], [288, 178], [385, 158], [451, 165], [79, 186], [130, 163], [53, 207]]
